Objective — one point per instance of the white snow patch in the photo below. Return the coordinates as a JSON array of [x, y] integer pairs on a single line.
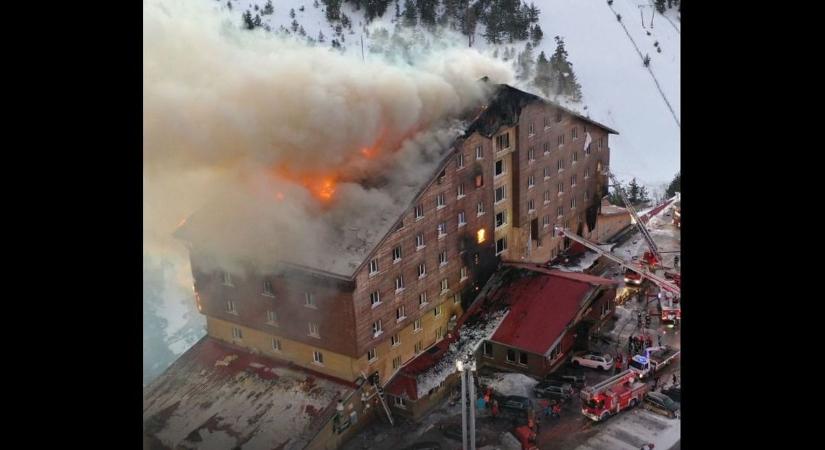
[[512, 384], [468, 342]]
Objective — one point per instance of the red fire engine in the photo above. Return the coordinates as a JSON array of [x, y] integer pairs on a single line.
[[612, 395]]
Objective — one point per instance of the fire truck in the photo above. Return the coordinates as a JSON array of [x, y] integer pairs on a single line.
[[648, 363], [617, 393]]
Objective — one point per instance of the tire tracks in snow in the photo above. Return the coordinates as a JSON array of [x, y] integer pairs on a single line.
[[652, 75]]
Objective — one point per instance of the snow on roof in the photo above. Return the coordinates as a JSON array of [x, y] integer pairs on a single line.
[[541, 307], [470, 338], [510, 383], [216, 396], [610, 210]]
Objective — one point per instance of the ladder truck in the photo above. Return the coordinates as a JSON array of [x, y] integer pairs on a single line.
[[615, 394], [668, 298], [644, 365]]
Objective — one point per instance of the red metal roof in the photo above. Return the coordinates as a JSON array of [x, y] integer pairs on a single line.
[[577, 276], [403, 384], [541, 306]]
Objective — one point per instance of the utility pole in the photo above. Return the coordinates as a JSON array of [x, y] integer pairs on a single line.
[[468, 389], [463, 376], [362, 49]]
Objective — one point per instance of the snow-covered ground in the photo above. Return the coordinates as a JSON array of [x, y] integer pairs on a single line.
[[632, 429]]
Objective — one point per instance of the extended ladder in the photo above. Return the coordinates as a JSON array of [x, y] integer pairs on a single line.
[[379, 391], [588, 392], [642, 228]]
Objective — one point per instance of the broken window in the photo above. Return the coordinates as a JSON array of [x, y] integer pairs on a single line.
[[479, 181]]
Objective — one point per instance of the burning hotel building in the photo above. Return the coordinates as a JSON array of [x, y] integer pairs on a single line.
[[383, 287]]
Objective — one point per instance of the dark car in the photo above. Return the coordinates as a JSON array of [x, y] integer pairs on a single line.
[[553, 389], [429, 445], [674, 393], [574, 378], [661, 404], [515, 403]]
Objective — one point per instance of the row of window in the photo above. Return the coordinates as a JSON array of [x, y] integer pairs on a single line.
[[531, 179], [395, 341]]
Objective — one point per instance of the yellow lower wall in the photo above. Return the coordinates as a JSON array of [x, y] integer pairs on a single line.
[[336, 364]]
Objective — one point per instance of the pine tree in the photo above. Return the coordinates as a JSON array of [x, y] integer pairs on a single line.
[[315, 4], [410, 14], [291, 13], [533, 13], [256, 7], [345, 22], [469, 20], [301, 31], [643, 195], [562, 72], [257, 22], [333, 9], [294, 25], [675, 185], [544, 78], [633, 192], [248, 23], [321, 37], [397, 10], [301, 8], [525, 62], [229, 5], [660, 6], [426, 11], [536, 35], [269, 9]]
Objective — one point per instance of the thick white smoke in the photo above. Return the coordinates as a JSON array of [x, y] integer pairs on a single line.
[[228, 112]]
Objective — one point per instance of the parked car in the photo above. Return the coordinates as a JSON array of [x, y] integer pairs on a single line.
[[575, 378], [594, 360], [553, 389], [429, 445], [675, 393], [661, 404], [515, 403]]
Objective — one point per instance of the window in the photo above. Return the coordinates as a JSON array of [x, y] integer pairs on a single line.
[[480, 236], [546, 148], [230, 307], [546, 173], [422, 299], [318, 357], [560, 140], [586, 173], [236, 333], [373, 266], [461, 190], [442, 176], [372, 355], [396, 254], [276, 344], [395, 340], [499, 168], [501, 193], [422, 270], [459, 160], [464, 272], [586, 194], [546, 122], [376, 328], [545, 221], [487, 348], [573, 203], [587, 149], [559, 211], [574, 133], [480, 208], [271, 317], [479, 181], [399, 283], [309, 300], [439, 333], [531, 155], [457, 298], [558, 116], [503, 141], [440, 202], [443, 286], [418, 347], [227, 279], [501, 218], [546, 197], [268, 291], [531, 129], [442, 258], [531, 181], [479, 152], [575, 157], [313, 330], [442, 229], [462, 219], [573, 180], [601, 142], [419, 211], [561, 188], [531, 206], [522, 358], [419, 241], [511, 355], [501, 245], [396, 363], [375, 299], [560, 165]]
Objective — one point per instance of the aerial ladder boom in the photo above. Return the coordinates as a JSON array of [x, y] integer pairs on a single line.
[[651, 244], [591, 391], [659, 281]]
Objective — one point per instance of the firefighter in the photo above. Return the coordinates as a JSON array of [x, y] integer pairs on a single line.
[[557, 410]]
